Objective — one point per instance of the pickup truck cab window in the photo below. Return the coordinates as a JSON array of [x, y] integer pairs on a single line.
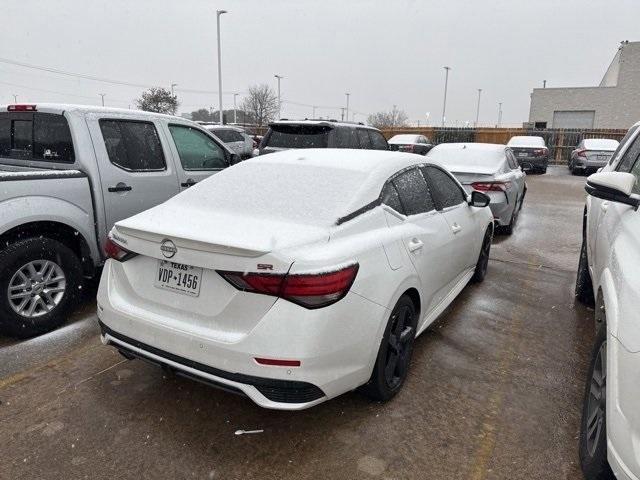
[[36, 136], [133, 145], [197, 151]]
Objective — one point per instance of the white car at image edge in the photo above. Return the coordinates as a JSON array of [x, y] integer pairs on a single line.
[[295, 277], [609, 278]]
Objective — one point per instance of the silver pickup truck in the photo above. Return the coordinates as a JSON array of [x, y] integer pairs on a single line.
[[67, 174]]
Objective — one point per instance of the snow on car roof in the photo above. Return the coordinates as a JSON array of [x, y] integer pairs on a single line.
[[311, 187], [469, 157], [526, 141], [600, 144], [404, 138]]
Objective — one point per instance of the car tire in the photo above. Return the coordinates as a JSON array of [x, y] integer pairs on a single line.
[[593, 426], [44, 278], [394, 354], [482, 264], [543, 170], [584, 285], [508, 229]]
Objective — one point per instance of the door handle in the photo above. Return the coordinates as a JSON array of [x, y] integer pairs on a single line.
[[120, 187], [415, 245], [604, 206], [455, 228], [189, 183]]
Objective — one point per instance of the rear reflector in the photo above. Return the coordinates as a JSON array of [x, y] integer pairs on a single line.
[[491, 186], [278, 363], [21, 108], [115, 251], [310, 290]]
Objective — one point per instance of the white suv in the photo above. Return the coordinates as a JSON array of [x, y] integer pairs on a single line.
[[609, 278]]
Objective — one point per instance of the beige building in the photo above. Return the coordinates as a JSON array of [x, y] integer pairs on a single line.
[[615, 103]]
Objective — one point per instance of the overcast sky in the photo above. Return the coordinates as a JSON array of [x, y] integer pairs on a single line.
[[382, 52]]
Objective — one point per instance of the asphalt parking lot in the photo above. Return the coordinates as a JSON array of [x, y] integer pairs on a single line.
[[494, 391]]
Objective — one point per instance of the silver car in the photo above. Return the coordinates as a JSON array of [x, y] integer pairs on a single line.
[[592, 154], [488, 168], [233, 137]]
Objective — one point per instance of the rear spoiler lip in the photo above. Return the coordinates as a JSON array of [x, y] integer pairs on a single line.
[[191, 244]]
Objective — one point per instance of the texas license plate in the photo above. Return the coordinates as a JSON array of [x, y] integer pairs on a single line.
[[523, 154], [603, 158], [178, 278]]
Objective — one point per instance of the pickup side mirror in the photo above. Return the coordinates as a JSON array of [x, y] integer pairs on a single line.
[[234, 158], [479, 199], [613, 186]]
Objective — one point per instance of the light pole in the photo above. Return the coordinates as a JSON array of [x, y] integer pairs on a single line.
[[478, 108], [446, 84], [15, 98], [235, 111], [347, 94], [342, 114], [279, 77], [499, 114], [218, 13], [102, 95], [314, 112], [173, 85]]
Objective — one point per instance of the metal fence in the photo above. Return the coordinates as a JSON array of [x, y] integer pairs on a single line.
[[559, 141]]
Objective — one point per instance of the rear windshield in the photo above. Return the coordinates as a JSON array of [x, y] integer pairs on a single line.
[[531, 142], [306, 194], [600, 144], [298, 136], [42, 137], [227, 135]]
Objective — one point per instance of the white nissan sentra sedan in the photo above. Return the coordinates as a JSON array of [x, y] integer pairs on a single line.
[[297, 276]]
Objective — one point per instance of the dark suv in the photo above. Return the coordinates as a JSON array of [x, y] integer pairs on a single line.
[[287, 134]]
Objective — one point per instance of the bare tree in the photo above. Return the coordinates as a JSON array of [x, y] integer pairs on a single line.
[[159, 100], [261, 103], [392, 119]]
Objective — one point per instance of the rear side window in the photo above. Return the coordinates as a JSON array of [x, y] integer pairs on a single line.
[[378, 141], [43, 137], [391, 198], [446, 191], [133, 145], [414, 192], [197, 151], [228, 135], [345, 137], [363, 138], [298, 136]]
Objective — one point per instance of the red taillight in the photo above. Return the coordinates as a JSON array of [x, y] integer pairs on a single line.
[[582, 152], [21, 108], [491, 186], [115, 251], [310, 290], [540, 152]]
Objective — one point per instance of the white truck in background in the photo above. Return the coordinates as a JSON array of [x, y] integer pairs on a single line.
[[67, 174]]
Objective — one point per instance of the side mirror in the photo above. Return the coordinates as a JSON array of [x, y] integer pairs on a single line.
[[613, 186], [479, 199], [234, 158]]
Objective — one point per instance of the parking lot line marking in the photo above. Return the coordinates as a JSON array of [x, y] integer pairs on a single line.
[[91, 377], [487, 434]]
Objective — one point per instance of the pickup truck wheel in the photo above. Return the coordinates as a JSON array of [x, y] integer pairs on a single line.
[[39, 281]]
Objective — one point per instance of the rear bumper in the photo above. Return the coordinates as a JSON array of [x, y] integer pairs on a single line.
[[589, 164], [276, 391], [533, 163], [336, 345]]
